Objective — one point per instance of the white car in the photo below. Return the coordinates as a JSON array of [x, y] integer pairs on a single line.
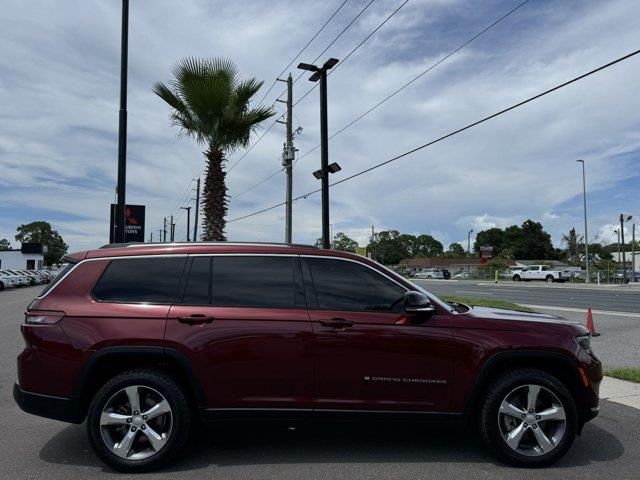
[[7, 281], [430, 273]]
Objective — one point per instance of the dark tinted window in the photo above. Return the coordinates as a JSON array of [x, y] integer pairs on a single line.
[[198, 288], [343, 285], [267, 282], [138, 280]]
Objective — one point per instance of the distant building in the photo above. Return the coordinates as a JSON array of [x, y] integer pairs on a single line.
[[30, 256], [628, 256], [454, 265]]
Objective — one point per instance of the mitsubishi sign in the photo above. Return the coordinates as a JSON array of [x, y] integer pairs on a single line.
[[133, 223]]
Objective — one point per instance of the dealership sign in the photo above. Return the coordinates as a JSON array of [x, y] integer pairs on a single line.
[[133, 223]]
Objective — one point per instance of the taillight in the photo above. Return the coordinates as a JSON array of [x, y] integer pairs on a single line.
[[42, 318]]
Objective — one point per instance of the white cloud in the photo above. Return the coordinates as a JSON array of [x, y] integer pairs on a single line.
[[59, 91]]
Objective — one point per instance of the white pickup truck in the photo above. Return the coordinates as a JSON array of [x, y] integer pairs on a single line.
[[538, 272]]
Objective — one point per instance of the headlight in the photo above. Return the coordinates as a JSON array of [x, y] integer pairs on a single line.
[[585, 342]]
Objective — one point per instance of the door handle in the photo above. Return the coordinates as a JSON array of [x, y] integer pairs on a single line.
[[337, 323], [195, 319]]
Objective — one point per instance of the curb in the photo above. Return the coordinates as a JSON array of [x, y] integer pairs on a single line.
[[620, 391]]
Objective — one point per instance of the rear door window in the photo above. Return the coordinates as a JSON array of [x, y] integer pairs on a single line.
[[140, 280], [257, 282]]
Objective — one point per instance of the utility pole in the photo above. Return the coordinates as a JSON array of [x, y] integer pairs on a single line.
[[151, 237], [624, 259], [160, 234], [469, 252], [122, 126], [320, 73], [288, 155], [633, 252], [195, 218], [586, 235], [188, 209], [164, 228], [373, 233], [172, 228]]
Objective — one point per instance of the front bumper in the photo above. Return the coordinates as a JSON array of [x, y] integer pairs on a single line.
[[56, 408]]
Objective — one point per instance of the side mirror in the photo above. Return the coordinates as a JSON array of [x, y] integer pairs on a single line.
[[416, 302]]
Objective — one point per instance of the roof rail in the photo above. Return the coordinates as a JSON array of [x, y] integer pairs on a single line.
[[146, 244]]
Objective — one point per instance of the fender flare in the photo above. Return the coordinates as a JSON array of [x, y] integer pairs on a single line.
[[145, 352]]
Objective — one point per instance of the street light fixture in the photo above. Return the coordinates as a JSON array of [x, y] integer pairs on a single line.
[[320, 73], [586, 237]]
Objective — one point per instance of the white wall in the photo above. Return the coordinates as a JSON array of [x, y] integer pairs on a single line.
[[628, 258], [15, 259]]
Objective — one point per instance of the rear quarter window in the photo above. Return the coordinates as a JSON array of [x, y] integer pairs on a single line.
[[140, 280]]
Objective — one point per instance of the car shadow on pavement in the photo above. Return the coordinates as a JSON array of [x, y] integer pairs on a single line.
[[335, 443]]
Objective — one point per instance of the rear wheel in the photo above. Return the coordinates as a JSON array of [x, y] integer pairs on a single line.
[[138, 421], [549, 279], [528, 418]]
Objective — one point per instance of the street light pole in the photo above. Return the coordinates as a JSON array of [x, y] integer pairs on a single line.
[[320, 73], [586, 236], [469, 252], [122, 126]]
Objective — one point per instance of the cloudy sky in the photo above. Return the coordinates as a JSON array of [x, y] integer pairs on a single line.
[[59, 93]]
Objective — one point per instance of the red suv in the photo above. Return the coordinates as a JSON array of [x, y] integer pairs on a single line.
[[142, 341]]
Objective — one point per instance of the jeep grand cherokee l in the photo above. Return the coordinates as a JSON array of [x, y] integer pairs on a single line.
[[141, 341]]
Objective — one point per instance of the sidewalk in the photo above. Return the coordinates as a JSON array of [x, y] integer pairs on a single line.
[[620, 391]]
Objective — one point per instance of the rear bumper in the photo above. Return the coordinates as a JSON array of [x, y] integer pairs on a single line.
[[56, 408]]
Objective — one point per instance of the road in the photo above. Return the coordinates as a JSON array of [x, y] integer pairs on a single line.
[[37, 448], [615, 299]]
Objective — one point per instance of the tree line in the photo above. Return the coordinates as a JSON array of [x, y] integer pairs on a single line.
[[528, 241]]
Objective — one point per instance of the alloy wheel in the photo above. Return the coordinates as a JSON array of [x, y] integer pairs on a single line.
[[136, 422], [532, 420]]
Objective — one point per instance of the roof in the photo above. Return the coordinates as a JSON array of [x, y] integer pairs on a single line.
[[443, 262]]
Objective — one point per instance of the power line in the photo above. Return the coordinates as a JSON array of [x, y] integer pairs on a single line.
[[354, 50], [259, 183], [303, 49], [414, 79], [451, 134], [332, 42], [254, 143], [309, 91], [388, 97]]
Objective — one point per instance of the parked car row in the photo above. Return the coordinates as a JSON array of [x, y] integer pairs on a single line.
[[20, 278]]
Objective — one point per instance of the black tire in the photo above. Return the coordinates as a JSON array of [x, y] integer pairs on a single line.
[[1, 286], [516, 278], [489, 417], [549, 278], [180, 419]]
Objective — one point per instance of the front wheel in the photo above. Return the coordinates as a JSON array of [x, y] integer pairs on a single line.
[[138, 421], [528, 418], [516, 278]]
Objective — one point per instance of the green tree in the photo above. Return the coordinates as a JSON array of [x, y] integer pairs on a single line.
[[427, 246], [5, 244], [526, 242], [41, 232], [389, 248], [456, 251], [211, 104], [343, 243]]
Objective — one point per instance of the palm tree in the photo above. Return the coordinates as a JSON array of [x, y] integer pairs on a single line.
[[572, 240], [211, 104]]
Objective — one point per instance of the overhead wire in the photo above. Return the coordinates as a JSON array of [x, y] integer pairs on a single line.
[[453, 133]]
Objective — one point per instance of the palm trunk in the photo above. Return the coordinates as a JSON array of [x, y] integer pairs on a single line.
[[214, 197]]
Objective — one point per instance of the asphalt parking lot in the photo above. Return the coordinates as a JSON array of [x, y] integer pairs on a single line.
[[32, 447]]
